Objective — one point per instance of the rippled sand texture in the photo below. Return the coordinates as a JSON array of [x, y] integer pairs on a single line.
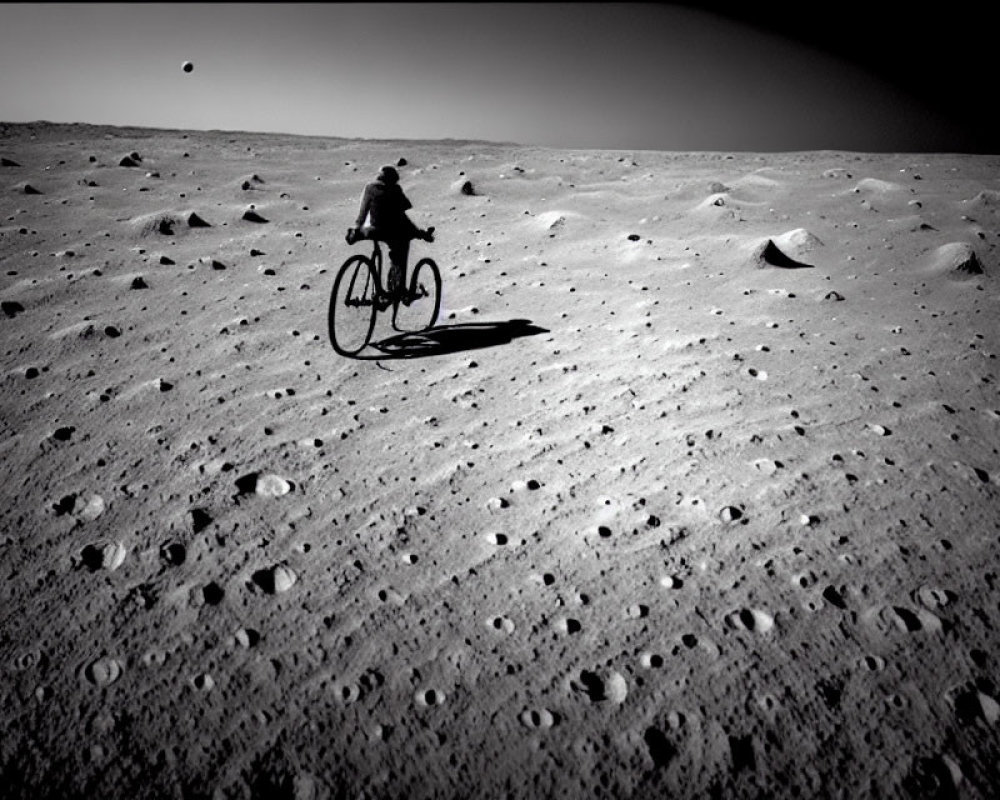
[[694, 493]]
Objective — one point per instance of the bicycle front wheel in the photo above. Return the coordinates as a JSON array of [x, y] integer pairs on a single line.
[[352, 306], [423, 300]]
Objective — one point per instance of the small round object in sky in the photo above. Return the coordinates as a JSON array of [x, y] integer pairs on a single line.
[[187, 66]]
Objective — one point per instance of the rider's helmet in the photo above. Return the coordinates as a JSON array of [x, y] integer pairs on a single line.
[[388, 175]]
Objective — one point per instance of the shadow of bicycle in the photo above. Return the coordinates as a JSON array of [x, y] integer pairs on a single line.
[[445, 339]]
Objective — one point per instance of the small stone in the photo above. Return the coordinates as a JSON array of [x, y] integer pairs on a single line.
[[113, 555], [272, 486], [284, 578]]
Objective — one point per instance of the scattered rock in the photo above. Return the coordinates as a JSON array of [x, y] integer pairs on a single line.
[[956, 258], [246, 637], [7, 162], [194, 221], [768, 254], [273, 486], [11, 308], [109, 556], [611, 687], [94, 508], [200, 519], [263, 485], [250, 215], [274, 580], [731, 514]]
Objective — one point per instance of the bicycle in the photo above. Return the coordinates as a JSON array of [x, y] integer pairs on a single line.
[[358, 295]]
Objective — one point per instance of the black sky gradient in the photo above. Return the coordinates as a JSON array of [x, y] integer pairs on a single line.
[[943, 55]]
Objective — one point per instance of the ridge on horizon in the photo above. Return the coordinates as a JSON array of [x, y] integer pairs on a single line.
[[142, 129]]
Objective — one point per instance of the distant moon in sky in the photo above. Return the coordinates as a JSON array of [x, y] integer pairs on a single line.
[[187, 66]]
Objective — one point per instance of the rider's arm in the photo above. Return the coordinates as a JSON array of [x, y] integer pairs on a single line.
[[366, 201]]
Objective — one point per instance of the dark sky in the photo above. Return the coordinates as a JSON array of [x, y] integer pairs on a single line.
[[627, 76], [941, 56]]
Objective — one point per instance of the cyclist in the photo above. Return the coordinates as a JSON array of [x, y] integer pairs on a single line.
[[383, 216]]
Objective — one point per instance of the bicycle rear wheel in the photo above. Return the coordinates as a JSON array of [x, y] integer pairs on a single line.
[[351, 317], [424, 298]]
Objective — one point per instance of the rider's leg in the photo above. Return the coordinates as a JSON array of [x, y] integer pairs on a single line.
[[399, 251]]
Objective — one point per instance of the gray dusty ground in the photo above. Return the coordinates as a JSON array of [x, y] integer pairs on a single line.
[[661, 508]]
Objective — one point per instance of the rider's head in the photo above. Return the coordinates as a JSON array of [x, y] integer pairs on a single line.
[[388, 175]]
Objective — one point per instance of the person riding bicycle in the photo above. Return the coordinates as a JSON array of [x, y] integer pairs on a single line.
[[383, 217]]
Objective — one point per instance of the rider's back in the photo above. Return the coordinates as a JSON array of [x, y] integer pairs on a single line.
[[386, 206]]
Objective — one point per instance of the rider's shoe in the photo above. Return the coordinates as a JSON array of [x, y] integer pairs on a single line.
[[428, 235]]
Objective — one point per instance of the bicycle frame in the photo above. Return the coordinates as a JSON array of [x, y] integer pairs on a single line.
[[376, 258], [381, 292]]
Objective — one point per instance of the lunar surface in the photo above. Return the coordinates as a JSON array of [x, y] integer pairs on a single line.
[[692, 491]]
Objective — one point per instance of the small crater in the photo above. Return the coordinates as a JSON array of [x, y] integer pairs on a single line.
[[872, 663], [538, 719], [933, 597], [592, 685], [751, 619], [173, 553], [501, 624], [878, 430], [570, 626], [203, 682], [731, 514], [651, 660], [64, 434], [246, 637], [428, 697], [906, 620], [102, 672], [347, 692]]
